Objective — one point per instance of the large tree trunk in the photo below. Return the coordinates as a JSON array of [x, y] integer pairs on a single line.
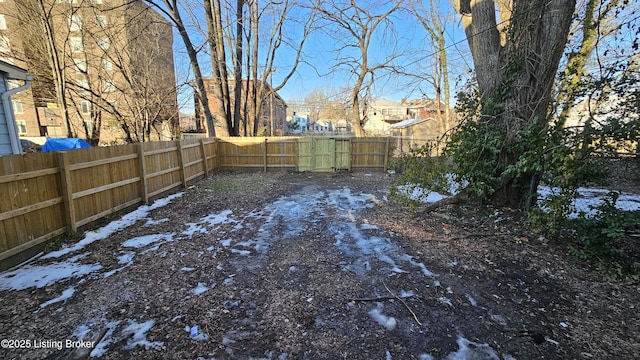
[[517, 72]]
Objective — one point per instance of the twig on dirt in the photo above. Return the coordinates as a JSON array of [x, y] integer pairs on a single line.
[[403, 303], [379, 298]]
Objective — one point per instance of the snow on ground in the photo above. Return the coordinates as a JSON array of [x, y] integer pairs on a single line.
[[588, 197], [142, 241], [592, 197], [138, 331], [39, 276], [199, 289], [107, 230], [472, 350], [66, 294], [388, 322]]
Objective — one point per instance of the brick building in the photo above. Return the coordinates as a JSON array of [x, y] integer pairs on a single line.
[[103, 69]]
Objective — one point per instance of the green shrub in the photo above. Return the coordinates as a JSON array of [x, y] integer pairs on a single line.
[[418, 174]]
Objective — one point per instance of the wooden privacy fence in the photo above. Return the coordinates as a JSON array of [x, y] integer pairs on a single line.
[[44, 195]]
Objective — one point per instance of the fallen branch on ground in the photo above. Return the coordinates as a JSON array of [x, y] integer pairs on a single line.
[[455, 199], [403, 303]]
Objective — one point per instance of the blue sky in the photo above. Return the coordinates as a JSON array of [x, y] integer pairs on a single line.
[[317, 71]]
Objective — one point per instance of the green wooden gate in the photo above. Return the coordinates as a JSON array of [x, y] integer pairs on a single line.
[[322, 154]]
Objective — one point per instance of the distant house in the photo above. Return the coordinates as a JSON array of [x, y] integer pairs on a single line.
[[300, 124], [415, 133], [383, 113], [9, 141], [342, 126], [322, 126]]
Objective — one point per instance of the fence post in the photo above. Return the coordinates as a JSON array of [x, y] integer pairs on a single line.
[[204, 158], [183, 176], [142, 164], [264, 160], [386, 155], [67, 192]]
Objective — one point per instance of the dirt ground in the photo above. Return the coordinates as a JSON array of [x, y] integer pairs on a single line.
[[322, 266]]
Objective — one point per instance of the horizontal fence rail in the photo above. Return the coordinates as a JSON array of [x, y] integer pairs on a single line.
[[44, 195]]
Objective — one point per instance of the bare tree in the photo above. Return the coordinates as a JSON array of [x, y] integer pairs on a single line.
[[173, 13], [354, 27], [433, 22], [44, 46]]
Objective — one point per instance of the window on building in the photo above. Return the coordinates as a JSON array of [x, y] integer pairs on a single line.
[[76, 44], [101, 21], [107, 65], [75, 23], [22, 127], [103, 43], [80, 65], [3, 22], [108, 86], [17, 107], [85, 107]]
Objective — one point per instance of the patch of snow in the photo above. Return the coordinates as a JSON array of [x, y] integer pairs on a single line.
[[425, 357], [142, 241], [39, 276], [195, 334], [241, 252], [66, 294], [101, 347], [406, 294], [187, 269], [472, 301], [151, 222], [211, 221], [116, 225], [472, 350], [229, 281], [226, 242], [444, 300], [388, 322], [126, 258], [81, 331], [592, 197], [200, 288], [139, 337]]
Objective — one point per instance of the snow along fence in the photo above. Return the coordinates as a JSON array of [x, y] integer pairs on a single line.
[[44, 195]]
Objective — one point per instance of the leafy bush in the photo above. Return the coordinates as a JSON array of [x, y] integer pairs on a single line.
[[601, 237]]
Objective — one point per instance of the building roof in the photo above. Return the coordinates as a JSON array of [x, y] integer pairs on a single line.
[[13, 72], [407, 123]]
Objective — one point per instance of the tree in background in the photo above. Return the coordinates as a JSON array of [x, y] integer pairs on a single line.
[[354, 26], [44, 52], [433, 22]]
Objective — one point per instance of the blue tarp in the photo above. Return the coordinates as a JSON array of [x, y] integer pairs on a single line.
[[60, 144]]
